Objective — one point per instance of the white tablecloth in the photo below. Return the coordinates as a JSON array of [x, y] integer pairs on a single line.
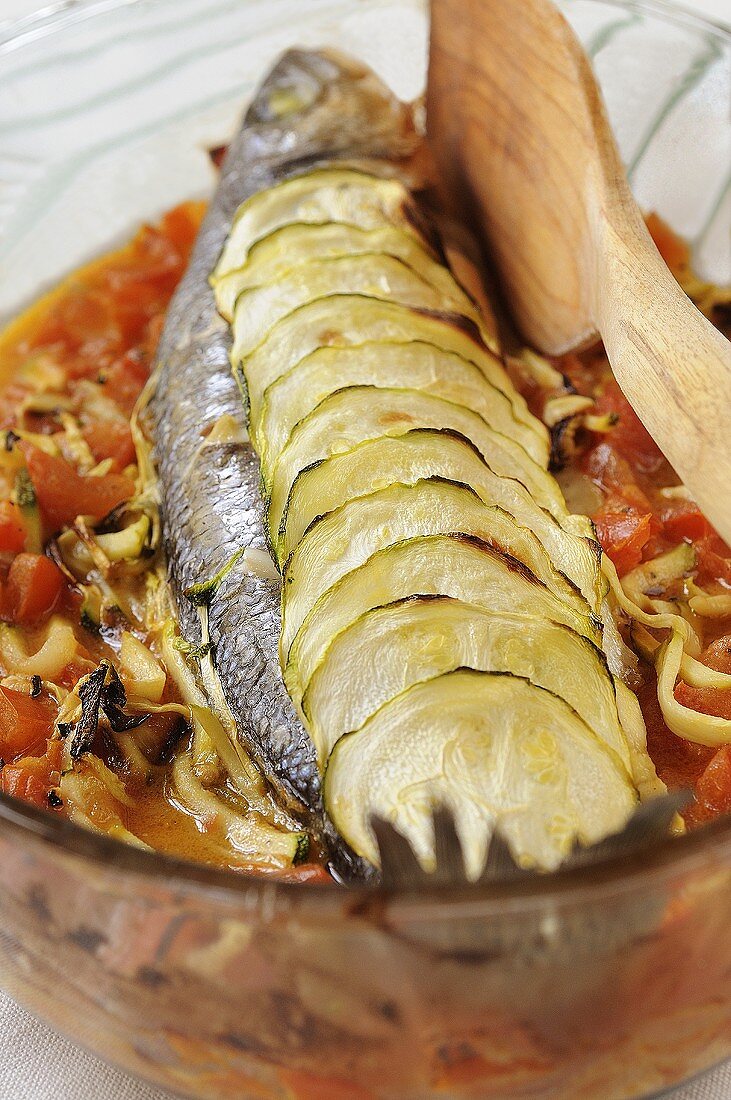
[[37, 1064]]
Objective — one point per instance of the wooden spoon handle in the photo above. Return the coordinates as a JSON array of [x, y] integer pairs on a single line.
[[672, 364]]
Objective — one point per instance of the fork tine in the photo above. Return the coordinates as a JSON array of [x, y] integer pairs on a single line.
[[447, 847], [400, 867], [499, 862], [649, 824]]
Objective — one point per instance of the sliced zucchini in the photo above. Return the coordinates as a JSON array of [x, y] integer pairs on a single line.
[[455, 565], [352, 415], [142, 673], [127, 544], [25, 497], [346, 538], [299, 242], [423, 453], [391, 648], [292, 246], [495, 749], [415, 366], [323, 195], [341, 320], [376, 274]]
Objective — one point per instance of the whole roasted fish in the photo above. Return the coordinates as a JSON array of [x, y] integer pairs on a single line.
[[313, 107], [443, 627]]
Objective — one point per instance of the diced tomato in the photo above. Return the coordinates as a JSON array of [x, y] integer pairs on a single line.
[[671, 247], [616, 477], [682, 519], [110, 439], [181, 225], [25, 723], [713, 786], [156, 263], [713, 789], [34, 585], [705, 699], [718, 654], [12, 528], [124, 380], [88, 318], [33, 777], [16, 780], [628, 437], [714, 560], [623, 536], [63, 494]]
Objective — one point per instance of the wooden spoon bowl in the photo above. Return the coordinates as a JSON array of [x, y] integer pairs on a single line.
[[521, 138]]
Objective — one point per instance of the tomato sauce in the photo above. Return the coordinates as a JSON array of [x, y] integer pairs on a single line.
[[91, 343], [92, 340], [638, 519]]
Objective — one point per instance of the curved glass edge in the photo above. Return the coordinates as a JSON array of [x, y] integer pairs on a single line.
[[675, 854], [708, 844]]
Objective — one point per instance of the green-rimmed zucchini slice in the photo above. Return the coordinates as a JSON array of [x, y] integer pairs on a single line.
[[391, 648], [415, 366], [346, 538], [423, 453], [353, 415], [294, 245], [323, 195], [347, 319], [441, 565], [494, 748], [375, 274]]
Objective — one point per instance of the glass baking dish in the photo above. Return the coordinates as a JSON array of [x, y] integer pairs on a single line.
[[610, 983]]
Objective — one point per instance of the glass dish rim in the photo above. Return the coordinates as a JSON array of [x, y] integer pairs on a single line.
[[25, 821], [46, 19]]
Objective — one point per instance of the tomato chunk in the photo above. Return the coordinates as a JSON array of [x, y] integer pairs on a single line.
[[714, 560], [181, 225], [710, 700], [124, 380], [683, 520], [32, 778], [718, 654], [629, 437], [25, 723], [34, 585], [12, 528], [63, 494], [17, 781], [623, 536], [110, 439], [713, 788]]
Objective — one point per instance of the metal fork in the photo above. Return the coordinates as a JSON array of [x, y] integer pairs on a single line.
[[648, 825]]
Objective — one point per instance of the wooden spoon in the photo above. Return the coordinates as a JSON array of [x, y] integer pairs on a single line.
[[521, 138]]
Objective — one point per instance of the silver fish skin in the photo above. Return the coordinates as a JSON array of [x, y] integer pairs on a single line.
[[313, 107]]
